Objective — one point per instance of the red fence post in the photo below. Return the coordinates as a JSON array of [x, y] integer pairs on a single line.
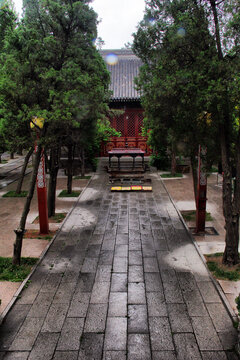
[[42, 196]]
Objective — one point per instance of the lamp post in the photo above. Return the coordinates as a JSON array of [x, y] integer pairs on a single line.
[[37, 124]]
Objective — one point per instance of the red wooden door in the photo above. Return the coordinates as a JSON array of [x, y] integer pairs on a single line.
[[129, 125]]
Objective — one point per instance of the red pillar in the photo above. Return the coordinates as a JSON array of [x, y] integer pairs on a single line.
[[42, 197], [201, 191]]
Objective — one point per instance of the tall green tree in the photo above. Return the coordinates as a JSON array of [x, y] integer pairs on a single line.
[[51, 69], [186, 82]]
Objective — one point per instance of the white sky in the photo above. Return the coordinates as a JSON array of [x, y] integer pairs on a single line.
[[119, 19]]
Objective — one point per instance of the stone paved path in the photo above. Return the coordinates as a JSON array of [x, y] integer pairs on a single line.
[[122, 280]]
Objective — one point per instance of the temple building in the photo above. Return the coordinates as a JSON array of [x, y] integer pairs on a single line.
[[123, 66]]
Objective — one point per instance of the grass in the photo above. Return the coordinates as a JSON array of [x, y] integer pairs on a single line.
[[58, 218], [221, 271], [13, 193], [78, 177], [15, 273], [190, 215], [64, 193], [169, 175], [3, 161]]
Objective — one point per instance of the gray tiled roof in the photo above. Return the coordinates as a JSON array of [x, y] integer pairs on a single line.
[[123, 74]]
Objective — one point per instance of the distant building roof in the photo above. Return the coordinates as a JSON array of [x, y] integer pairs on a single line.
[[124, 67]]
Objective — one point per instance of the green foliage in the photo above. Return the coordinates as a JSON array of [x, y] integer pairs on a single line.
[[220, 273], [52, 53], [13, 193], [64, 193], [15, 273], [169, 175], [190, 215]]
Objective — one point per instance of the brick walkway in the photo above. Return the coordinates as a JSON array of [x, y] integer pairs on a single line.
[[122, 280]]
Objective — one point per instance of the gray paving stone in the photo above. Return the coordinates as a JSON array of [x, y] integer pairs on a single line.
[[79, 304], [153, 282], [121, 250], [205, 333], [135, 244], [108, 244], [137, 319], [15, 355], [44, 346], [103, 273], [150, 265], [135, 273], [85, 282], [12, 324], [41, 305], [51, 283], [55, 318], [71, 334], [208, 292], [100, 293], [91, 347], [120, 264], [228, 339], [106, 257], [163, 355], [89, 265], [136, 293], [116, 334], [119, 282], [192, 295], [186, 347], [114, 355], [139, 347], [96, 318], [179, 318], [65, 355], [134, 235], [96, 239], [64, 293], [27, 334], [160, 333], [214, 355], [122, 229], [117, 304], [148, 251], [220, 317], [93, 251], [156, 304], [122, 239]]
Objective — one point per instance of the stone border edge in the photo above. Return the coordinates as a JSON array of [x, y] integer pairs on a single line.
[[23, 284]]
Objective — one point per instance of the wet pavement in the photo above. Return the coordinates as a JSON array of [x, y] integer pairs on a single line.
[[122, 280]]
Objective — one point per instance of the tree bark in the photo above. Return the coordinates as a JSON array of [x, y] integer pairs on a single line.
[[173, 162], [12, 155], [230, 201], [82, 162], [70, 169], [17, 247], [194, 175], [24, 167], [54, 167]]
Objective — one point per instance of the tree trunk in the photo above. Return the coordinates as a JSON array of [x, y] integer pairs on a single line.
[[0, 158], [54, 167], [12, 155], [194, 175], [17, 248], [82, 162], [70, 169], [24, 167], [173, 162], [230, 200], [230, 204]]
